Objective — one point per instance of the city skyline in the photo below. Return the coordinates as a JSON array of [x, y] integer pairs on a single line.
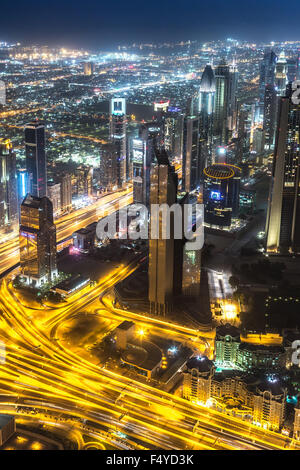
[[149, 229]]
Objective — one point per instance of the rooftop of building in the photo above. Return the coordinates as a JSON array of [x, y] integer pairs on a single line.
[[125, 325], [201, 363], [221, 171], [261, 347], [32, 201], [208, 82], [73, 283], [5, 419], [145, 356], [228, 330]]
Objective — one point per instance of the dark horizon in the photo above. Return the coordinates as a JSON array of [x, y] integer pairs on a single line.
[[97, 25]]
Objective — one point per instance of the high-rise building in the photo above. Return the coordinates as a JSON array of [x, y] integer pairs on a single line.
[[118, 126], [191, 161], [206, 108], [36, 158], [281, 74], [84, 181], [109, 165], [54, 194], [23, 184], [65, 181], [163, 190], [37, 241], [221, 195], [141, 165], [89, 68], [8, 186], [225, 102], [270, 111], [173, 131], [283, 218], [267, 77]]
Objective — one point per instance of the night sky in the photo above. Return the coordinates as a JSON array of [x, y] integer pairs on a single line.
[[100, 24]]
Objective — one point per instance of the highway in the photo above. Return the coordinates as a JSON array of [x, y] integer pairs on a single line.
[[68, 224], [39, 368]]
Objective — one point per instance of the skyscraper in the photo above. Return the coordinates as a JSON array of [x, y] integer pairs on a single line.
[[270, 112], [37, 241], [191, 165], [109, 165], [206, 107], [36, 158], [281, 74], [283, 218], [65, 180], [8, 186], [118, 125], [141, 165], [267, 77], [173, 131], [161, 250], [225, 102]]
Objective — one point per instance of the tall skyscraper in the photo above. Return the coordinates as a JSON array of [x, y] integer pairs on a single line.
[[109, 166], [118, 125], [141, 165], [65, 180], [36, 158], [206, 108], [84, 181], [191, 164], [281, 74], [37, 241], [8, 186], [283, 218], [270, 112], [161, 251], [225, 102], [267, 77], [173, 131]]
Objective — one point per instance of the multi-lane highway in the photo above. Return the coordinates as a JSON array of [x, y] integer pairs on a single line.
[[40, 371], [68, 224]]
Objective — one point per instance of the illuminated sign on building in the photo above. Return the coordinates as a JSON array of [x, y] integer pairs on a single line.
[[118, 106], [215, 195]]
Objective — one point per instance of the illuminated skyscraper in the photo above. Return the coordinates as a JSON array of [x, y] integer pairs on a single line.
[[173, 131], [206, 104], [267, 77], [191, 164], [140, 171], [89, 68], [225, 102], [270, 112], [163, 190], [109, 165], [65, 180], [283, 219], [8, 186], [281, 74], [118, 125], [37, 241], [36, 158]]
